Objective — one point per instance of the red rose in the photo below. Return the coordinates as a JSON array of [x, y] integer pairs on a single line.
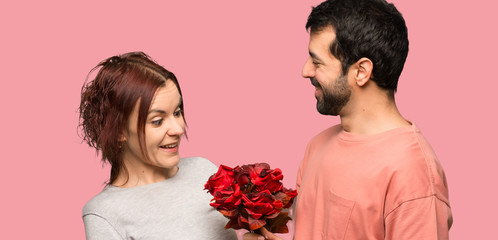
[[221, 180], [260, 206], [286, 196], [251, 196], [228, 199], [241, 176], [249, 173], [269, 180]]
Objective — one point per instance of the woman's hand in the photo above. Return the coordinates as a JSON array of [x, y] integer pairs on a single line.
[[266, 235]]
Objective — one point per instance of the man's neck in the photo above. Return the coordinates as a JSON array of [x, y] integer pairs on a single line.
[[372, 117]]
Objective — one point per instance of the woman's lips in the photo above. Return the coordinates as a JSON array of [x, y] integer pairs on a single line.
[[173, 147]]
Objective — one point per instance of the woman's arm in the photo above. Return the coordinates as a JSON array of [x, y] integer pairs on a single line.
[[97, 227]]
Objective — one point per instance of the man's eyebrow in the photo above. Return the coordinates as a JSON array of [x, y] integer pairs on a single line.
[[314, 56]]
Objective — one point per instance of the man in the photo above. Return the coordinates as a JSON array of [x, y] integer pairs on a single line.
[[374, 176]]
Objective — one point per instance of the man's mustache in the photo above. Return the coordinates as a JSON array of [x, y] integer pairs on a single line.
[[314, 82]]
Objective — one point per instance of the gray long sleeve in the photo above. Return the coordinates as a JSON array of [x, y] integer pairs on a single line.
[[97, 228], [177, 208]]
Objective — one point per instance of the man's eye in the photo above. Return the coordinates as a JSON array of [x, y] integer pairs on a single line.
[[157, 122], [178, 113]]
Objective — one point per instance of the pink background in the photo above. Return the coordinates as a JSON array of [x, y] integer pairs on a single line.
[[239, 64]]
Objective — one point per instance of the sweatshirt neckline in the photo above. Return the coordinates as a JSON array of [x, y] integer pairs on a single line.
[[177, 176]]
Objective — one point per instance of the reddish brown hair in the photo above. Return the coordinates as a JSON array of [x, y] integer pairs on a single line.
[[108, 100]]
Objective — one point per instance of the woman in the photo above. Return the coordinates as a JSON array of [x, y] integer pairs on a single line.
[[132, 113]]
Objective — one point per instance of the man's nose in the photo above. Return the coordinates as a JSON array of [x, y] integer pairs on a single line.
[[308, 69]]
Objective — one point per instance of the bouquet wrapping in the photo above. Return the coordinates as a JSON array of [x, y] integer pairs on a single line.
[[251, 196]]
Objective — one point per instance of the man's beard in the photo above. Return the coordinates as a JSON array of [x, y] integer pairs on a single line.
[[334, 98]]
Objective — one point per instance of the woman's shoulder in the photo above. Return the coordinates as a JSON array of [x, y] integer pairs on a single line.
[[99, 203], [196, 162], [198, 165]]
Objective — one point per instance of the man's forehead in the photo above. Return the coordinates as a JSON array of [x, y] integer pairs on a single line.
[[320, 39], [318, 30]]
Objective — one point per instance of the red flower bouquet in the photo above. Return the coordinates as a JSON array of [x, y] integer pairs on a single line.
[[251, 196]]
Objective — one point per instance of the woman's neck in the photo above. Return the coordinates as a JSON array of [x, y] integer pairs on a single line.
[[142, 174]]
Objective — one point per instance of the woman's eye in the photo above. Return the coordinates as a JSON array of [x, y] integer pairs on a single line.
[[178, 113], [157, 122]]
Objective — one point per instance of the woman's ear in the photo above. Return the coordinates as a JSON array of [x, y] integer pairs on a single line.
[[363, 71], [122, 138]]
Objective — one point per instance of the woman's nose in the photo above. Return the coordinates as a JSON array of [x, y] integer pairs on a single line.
[[176, 127]]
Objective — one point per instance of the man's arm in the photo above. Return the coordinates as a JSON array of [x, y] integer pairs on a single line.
[[422, 218]]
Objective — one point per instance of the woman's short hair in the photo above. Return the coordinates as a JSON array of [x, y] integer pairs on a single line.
[[108, 100]]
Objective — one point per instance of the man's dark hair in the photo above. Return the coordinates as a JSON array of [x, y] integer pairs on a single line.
[[373, 29]]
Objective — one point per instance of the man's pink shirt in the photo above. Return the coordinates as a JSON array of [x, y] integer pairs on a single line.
[[383, 186]]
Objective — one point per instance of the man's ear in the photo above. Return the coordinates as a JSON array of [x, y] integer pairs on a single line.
[[363, 71]]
